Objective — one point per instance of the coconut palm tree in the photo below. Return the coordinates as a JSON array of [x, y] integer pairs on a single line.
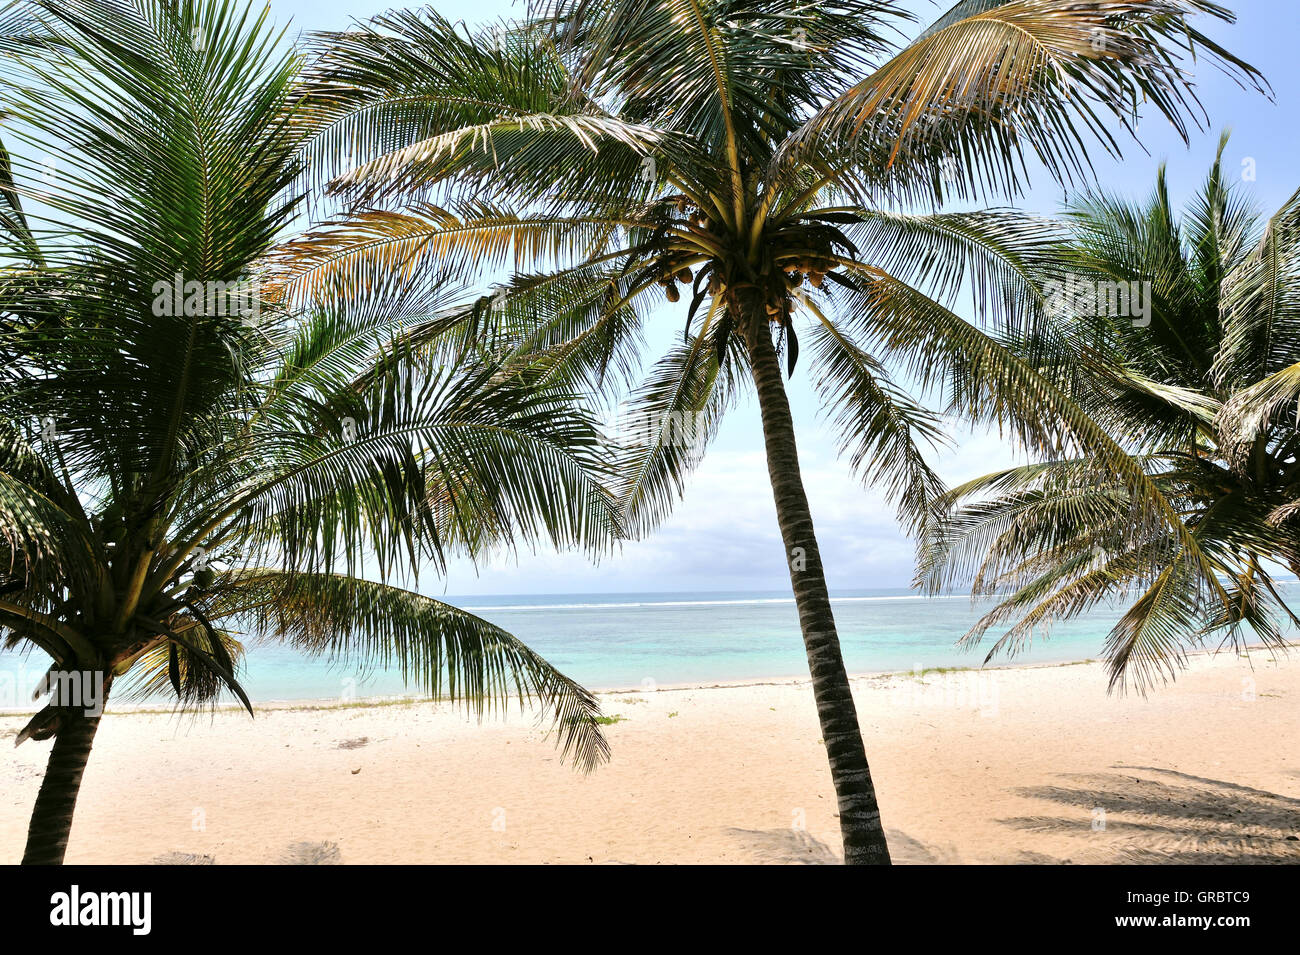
[[1202, 383], [182, 457], [745, 158]]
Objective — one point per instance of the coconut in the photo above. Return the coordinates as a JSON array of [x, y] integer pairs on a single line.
[[672, 293]]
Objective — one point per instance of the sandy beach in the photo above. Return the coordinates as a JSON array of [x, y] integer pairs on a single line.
[[1014, 765]]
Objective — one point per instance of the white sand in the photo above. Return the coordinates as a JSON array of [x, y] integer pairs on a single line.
[[1007, 765]]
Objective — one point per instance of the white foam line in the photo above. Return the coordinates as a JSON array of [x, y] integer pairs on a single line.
[[700, 603]]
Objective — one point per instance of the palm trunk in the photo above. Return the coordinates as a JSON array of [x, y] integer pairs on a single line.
[[47, 833], [860, 826]]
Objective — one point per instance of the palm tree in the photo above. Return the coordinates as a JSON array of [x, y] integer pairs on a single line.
[[182, 455], [744, 155], [1203, 388]]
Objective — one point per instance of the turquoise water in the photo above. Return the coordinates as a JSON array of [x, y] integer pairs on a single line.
[[629, 640]]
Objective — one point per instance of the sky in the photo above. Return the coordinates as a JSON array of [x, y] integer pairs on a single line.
[[723, 534]]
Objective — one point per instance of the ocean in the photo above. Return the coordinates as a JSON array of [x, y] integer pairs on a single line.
[[609, 641]]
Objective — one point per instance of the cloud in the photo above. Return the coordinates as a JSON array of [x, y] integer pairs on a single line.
[[723, 535]]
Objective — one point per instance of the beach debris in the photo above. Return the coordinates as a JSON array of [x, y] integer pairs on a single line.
[[354, 743]]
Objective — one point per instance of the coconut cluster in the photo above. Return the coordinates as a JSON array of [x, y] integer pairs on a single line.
[[671, 276], [814, 268]]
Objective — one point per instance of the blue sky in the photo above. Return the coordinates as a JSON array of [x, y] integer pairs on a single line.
[[723, 534]]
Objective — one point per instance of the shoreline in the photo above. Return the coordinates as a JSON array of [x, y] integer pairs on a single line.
[[379, 700]]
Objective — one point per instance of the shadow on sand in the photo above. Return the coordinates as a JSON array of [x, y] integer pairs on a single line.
[[785, 847], [797, 847], [1148, 815]]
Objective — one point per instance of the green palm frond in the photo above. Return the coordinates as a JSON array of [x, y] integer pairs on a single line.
[[1267, 403], [443, 649], [1204, 397], [882, 430], [995, 79], [194, 668], [1261, 302], [1005, 258], [666, 426], [352, 251], [157, 441]]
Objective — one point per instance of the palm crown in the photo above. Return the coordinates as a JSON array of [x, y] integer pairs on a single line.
[[1203, 387], [727, 155], [184, 454]]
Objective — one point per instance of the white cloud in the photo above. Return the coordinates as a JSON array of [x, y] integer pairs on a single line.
[[723, 535]]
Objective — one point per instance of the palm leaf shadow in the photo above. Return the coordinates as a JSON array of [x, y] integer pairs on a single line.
[[1165, 817]]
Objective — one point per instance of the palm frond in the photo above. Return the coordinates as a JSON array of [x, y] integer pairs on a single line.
[[446, 651], [881, 429], [994, 79]]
